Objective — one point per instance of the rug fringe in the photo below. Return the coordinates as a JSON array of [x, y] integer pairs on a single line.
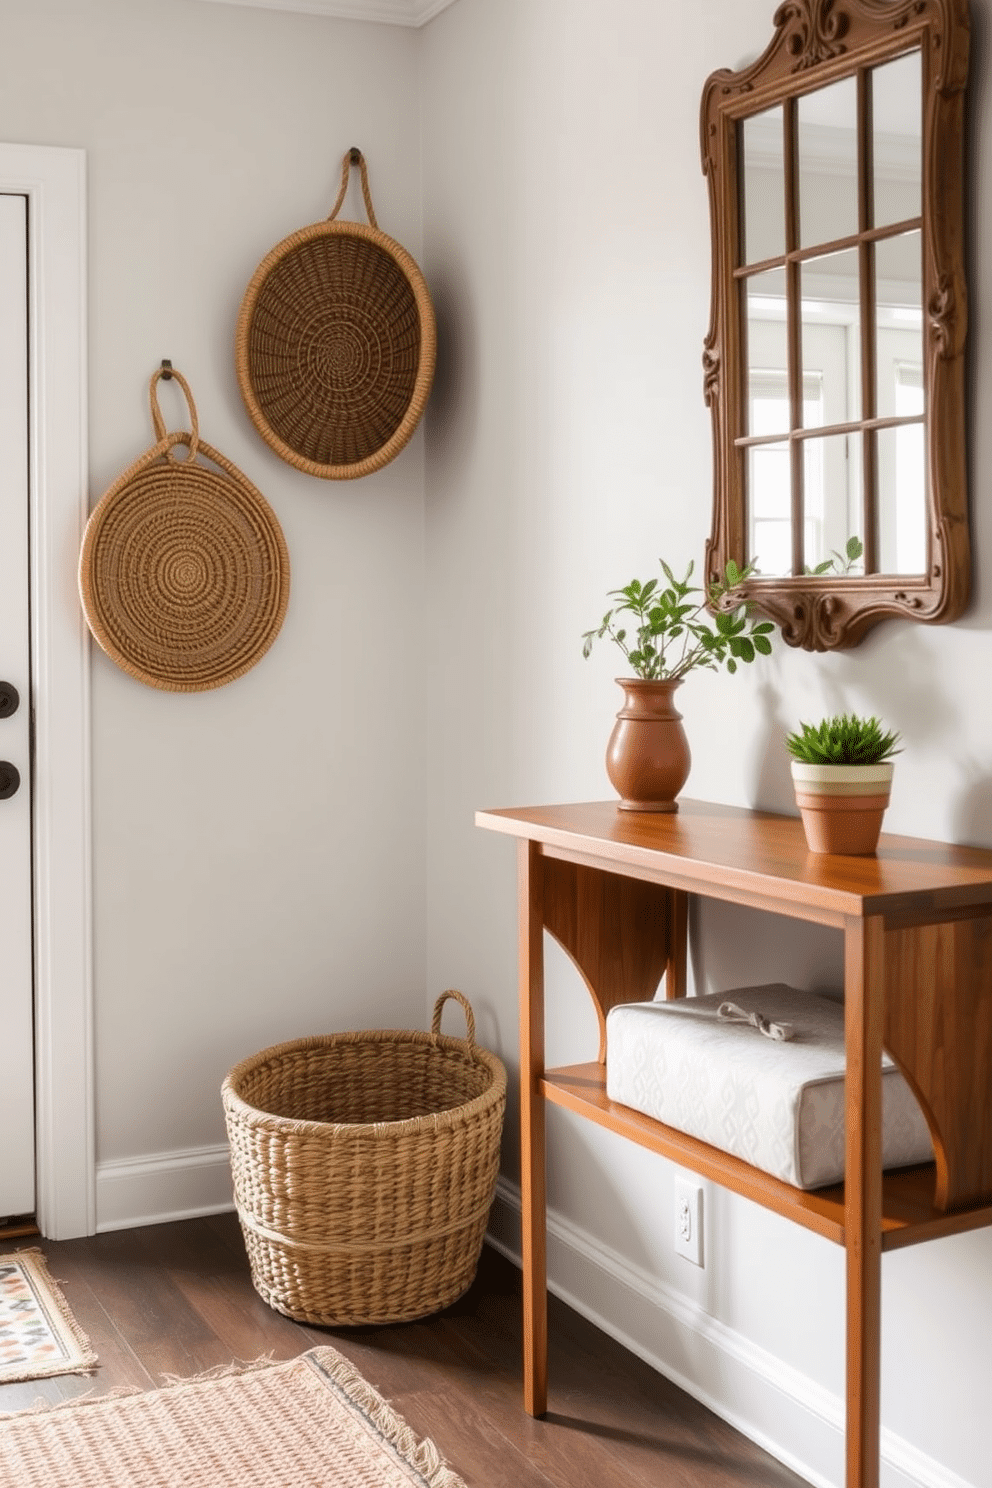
[[50, 1371], [420, 1452], [42, 1407], [224, 1371], [122, 1392]]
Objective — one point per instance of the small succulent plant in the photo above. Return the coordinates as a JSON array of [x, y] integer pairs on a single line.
[[844, 740]]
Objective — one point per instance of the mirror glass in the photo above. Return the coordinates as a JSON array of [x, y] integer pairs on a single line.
[[767, 351], [827, 127], [832, 505], [763, 204], [770, 507], [897, 139], [900, 463], [831, 333], [768, 419], [831, 356]]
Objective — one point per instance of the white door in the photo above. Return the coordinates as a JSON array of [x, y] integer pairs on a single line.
[[17, 1193]]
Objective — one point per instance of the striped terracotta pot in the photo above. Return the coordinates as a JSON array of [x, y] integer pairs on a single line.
[[842, 805]]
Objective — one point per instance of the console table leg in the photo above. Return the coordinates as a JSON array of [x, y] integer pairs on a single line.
[[863, 993], [533, 1198], [677, 917]]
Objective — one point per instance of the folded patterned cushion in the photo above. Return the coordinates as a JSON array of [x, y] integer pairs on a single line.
[[778, 1104]]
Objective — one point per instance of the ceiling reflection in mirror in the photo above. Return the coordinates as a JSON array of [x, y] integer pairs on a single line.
[[827, 130], [897, 140], [763, 207]]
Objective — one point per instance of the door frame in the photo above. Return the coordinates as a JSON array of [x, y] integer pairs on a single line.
[[54, 182]]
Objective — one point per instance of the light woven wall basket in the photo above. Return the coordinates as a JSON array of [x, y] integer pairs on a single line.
[[184, 570], [364, 1168], [335, 344]]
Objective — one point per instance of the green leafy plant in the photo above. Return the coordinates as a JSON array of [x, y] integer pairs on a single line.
[[674, 631], [841, 563], [844, 740]]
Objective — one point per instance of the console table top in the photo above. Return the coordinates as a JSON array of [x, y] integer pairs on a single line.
[[738, 853]]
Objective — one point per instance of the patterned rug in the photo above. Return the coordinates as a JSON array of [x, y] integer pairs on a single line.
[[38, 1334], [312, 1422]]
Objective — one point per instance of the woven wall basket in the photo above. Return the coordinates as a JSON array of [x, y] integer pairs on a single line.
[[184, 571], [364, 1169], [335, 345]]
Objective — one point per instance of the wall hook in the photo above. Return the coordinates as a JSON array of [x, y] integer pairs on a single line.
[[166, 370]]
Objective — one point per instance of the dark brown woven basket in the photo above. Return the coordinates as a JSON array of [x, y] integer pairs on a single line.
[[335, 345], [184, 570], [364, 1169]]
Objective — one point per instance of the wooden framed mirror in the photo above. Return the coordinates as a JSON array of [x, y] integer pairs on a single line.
[[834, 360]]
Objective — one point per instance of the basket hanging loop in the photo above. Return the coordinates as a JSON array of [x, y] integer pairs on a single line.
[[466, 1009], [168, 372], [352, 157]]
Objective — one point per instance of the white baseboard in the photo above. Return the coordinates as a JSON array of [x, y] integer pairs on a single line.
[[162, 1186], [776, 1406]]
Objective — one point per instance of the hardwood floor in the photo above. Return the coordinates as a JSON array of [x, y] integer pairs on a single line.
[[177, 1299]]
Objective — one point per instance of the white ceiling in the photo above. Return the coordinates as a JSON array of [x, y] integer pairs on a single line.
[[388, 12]]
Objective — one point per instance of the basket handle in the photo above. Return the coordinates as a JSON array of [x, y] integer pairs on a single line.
[[352, 157], [466, 1009], [167, 371]]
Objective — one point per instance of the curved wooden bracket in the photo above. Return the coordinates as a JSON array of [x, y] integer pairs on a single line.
[[622, 934], [938, 1029]]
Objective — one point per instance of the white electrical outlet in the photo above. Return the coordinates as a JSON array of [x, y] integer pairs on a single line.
[[689, 1221]]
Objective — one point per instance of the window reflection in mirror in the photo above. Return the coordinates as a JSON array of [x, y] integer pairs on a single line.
[[831, 331], [767, 343], [900, 464], [769, 416], [832, 504], [770, 484]]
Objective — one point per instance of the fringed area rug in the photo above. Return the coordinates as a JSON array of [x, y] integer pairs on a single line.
[[38, 1334], [313, 1422]]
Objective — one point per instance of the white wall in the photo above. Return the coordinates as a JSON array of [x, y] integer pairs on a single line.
[[567, 243], [258, 850]]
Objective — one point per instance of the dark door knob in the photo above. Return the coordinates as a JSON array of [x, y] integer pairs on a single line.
[[10, 699], [10, 779]]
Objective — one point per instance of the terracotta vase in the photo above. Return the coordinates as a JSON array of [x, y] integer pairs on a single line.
[[842, 805], [647, 758]]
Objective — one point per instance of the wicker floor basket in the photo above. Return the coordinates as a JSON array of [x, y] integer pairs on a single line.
[[364, 1169]]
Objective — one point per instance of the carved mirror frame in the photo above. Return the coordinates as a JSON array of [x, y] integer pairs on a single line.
[[817, 42]]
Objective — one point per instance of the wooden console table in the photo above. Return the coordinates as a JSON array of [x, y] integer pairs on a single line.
[[612, 888]]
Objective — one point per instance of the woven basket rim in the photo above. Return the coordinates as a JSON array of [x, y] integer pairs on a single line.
[[425, 367], [234, 482], [253, 1116]]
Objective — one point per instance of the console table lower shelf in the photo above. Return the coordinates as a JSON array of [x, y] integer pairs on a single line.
[[612, 887], [909, 1216]]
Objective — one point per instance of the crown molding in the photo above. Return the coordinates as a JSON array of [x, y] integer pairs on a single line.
[[385, 12]]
